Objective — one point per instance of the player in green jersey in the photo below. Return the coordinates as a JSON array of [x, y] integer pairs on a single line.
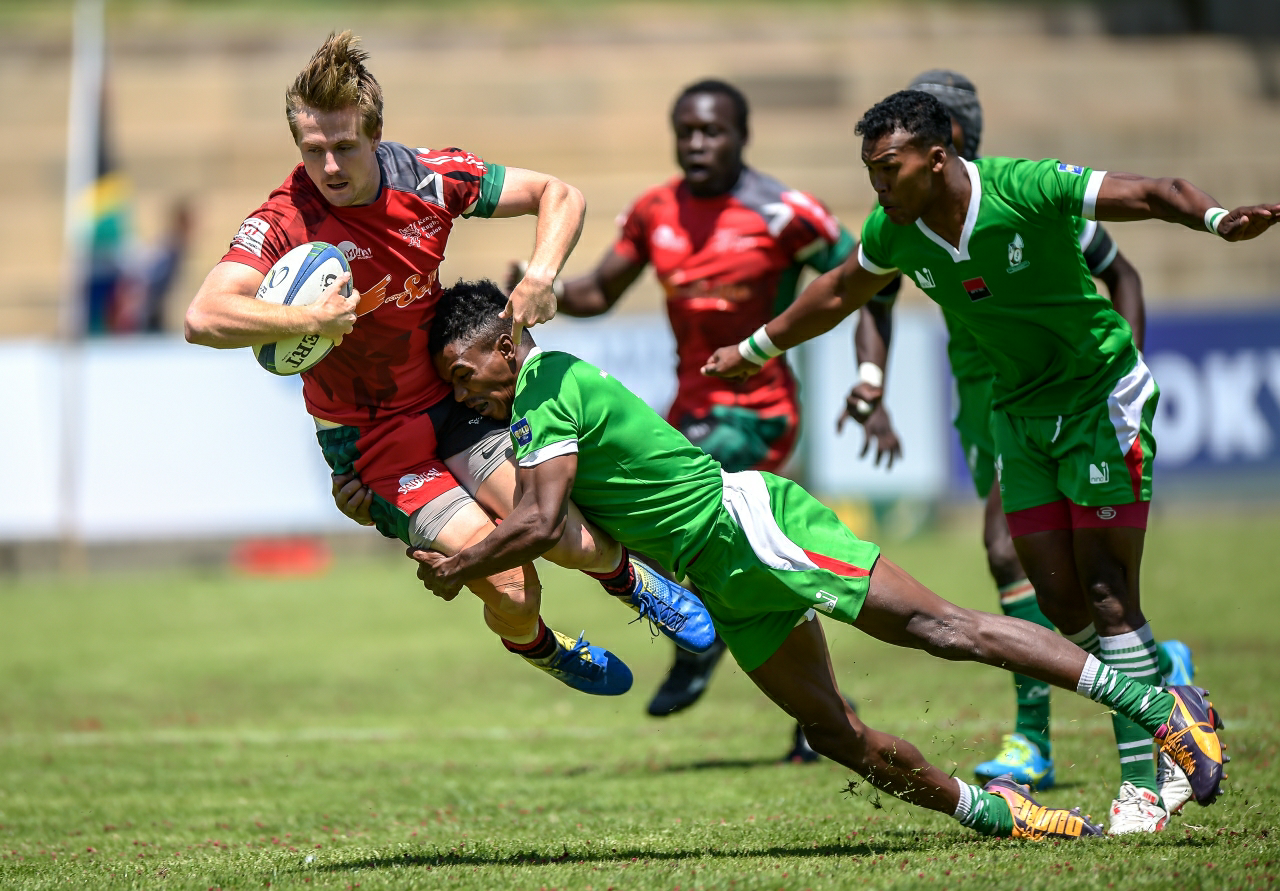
[[1026, 752], [765, 556], [993, 242]]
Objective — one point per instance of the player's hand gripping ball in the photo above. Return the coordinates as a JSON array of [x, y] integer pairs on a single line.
[[299, 279]]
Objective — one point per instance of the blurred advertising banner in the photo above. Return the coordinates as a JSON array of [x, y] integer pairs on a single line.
[[1217, 425], [1218, 422], [166, 440], [916, 384]]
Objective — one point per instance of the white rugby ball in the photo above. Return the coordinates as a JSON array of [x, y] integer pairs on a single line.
[[298, 279]]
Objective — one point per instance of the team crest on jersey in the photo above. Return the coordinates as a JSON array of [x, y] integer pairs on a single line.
[[522, 432], [420, 229], [1016, 263], [925, 278], [977, 288], [1071, 168]]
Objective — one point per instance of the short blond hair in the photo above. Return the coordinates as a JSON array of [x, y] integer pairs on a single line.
[[335, 79]]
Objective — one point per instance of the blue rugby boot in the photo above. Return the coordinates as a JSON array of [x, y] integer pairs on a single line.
[[1021, 759], [1182, 671], [670, 609], [583, 667]]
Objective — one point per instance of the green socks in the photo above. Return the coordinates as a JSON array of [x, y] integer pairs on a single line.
[[1134, 655], [1147, 706], [1019, 601], [981, 811]]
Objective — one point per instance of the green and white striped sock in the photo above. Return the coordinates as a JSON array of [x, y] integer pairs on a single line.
[[1134, 654]]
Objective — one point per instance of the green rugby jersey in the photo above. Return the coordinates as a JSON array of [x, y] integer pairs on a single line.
[[1019, 284], [967, 360], [638, 478]]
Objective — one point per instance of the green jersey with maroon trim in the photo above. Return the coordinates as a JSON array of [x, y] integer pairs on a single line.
[[564, 405], [1018, 283]]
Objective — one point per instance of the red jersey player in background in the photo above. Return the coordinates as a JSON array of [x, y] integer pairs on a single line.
[[728, 245], [380, 409]]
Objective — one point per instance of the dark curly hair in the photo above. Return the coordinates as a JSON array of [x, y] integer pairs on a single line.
[[466, 313], [718, 88], [913, 111]]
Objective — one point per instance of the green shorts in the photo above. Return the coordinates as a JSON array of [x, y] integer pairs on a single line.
[[1093, 458], [775, 553], [973, 422]]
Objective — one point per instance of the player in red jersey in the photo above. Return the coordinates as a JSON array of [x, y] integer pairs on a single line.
[[380, 408], [728, 245]]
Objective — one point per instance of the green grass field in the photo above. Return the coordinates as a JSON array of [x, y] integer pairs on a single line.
[[204, 730]]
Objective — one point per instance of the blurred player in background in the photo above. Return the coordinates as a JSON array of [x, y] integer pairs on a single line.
[[1027, 752], [995, 243], [766, 556], [728, 244], [431, 472]]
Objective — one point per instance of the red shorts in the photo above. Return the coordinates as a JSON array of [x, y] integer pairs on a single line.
[[401, 459]]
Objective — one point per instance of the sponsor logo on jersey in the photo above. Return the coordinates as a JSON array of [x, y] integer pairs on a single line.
[[521, 432], [252, 234], [1099, 474], [1107, 513], [667, 239], [420, 229], [1071, 168], [351, 252], [977, 288], [1016, 263], [411, 481], [826, 601], [415, 288], [925, 278]]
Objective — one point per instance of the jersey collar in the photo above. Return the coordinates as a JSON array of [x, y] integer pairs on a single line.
[[960, 254]]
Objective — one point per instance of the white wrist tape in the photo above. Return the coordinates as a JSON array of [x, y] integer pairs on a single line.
[[1213, 216], [758, 348], [871, 373]]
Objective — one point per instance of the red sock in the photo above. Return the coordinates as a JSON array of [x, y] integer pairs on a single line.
[[622, 581], [543, 644]]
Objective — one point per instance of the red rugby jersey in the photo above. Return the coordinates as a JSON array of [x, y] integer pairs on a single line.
[[395, 246], [729, 264]]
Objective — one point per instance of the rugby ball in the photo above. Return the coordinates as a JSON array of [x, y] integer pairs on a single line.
[[298, 279]]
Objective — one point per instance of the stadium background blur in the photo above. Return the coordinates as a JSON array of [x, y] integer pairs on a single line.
[[193, 112], [170, 704]]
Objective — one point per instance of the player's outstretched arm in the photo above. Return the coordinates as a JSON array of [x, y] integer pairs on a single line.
[[587, 295], [534, 526], [560, 209], [1128, 196], [598, 290], [822, 305], [227, 314]]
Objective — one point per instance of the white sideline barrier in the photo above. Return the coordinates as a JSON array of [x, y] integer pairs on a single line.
[[177, 441], [916, 386]]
